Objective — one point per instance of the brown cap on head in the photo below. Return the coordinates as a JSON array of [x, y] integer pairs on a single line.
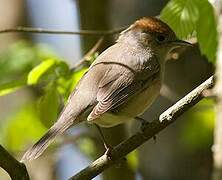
[[152, 25]]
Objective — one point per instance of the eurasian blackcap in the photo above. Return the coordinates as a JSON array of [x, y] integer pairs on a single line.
[[120, 84]]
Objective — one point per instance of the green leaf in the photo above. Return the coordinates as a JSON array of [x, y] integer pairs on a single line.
[[77, 76], [181, 16], [62, 68], [40, 70], [207, 34], [194, 16], [49, 106], [12, 86], [22, 127], [67, 84]]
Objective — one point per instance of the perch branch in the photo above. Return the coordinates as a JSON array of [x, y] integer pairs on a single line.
[[147, 132], [15, 169]]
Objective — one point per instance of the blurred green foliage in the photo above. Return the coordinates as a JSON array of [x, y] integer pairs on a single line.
[[16, 63], [48, 106], [12, 85], [193, 18], [36, 73], [132, 159], [27, 65], [197, 130], [87, 146], [66, 84], [21, 127]]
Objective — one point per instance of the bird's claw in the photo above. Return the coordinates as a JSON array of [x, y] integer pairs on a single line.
[[143, 122], [109, 149], [154, 138]]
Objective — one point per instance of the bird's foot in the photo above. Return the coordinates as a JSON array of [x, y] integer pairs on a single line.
[[154, 138], [144, 124], [109, 149], [107, 146]]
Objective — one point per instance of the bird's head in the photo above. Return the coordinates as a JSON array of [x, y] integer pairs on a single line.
[[154, 34]]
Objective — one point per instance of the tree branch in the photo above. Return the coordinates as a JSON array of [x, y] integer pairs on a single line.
[[88, 54], [51, 31], [147, 132], [15, 169]]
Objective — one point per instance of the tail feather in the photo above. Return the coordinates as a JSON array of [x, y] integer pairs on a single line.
[[37, 149]]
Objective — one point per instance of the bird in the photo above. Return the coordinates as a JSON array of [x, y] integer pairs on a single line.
[[120, 84]]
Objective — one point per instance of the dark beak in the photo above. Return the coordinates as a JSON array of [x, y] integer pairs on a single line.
[[181, 43]]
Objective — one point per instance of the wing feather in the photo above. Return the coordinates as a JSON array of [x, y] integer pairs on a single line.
[[114, 94], [119, 85]]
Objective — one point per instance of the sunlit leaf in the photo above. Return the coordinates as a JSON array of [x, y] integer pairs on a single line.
[[12, 86], [9, 90], [207, 30], [20, 58], [39, 70], [181, 16], [49, 106], [189, 17]]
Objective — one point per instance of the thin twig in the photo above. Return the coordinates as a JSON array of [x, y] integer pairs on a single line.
[[51, 31], [15, 169], [147, 132], [88, 54]]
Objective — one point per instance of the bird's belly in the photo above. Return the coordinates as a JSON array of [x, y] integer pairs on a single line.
[[134, 107], [110, 119], [139, 104]]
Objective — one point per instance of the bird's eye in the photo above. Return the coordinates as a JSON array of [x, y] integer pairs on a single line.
[[160, 38]]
